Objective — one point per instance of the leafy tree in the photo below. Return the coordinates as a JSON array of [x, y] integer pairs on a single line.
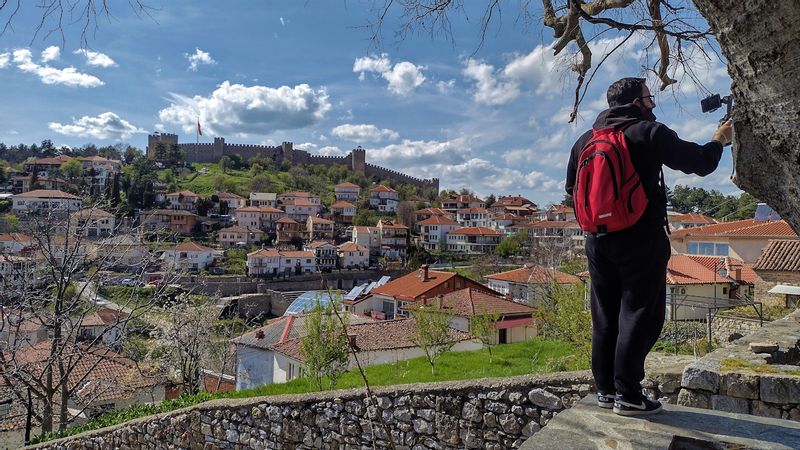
[[567, 201], [432, 333], [563, 314], [508, 247], [72, 170], [131, 153], [490, 200], [484, 327], [325, 347], [225, 163], [203, 206]]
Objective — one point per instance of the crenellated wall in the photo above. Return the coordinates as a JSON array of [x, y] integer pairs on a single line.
[[355, 160]]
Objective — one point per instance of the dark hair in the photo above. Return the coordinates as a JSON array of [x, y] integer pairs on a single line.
[[624, 91]]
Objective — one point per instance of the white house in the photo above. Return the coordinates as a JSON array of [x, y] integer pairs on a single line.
[[343, 212], [319, 228], [384, 199], [352, 255], [375, 343], [473, 240], [122, 251], [300, 209], [474, 217], [292, 196], [346, 192], [254, 354], [41, 200], [433, 232], [369, 237], [394, 239], [264, 199], [15, 242], [93, 223], [231, 200], [530, 283], [270, 261], [189, 256], [231, 236], [106, 325], [182, 200], [263, 217], [325, 254]]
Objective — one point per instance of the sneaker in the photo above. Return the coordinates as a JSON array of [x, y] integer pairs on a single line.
[[605, 400], [644, 407]]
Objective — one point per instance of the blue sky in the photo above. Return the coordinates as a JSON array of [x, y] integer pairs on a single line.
[[493, 120]]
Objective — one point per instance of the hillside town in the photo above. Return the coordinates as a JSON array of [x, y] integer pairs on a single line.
[[226, 285]]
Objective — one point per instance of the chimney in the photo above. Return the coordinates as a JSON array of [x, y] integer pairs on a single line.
[[424, 269], [259, 334], [351, 341]]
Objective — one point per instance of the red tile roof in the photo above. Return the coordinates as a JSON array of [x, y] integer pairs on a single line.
[[744, 228], [300, 201], [781, 255], [432, 212], [473, 211], [470, 302], [381, 335], [561, 209], [412, 286], [191, 247], [320, 220], [342, 204], [352, 247], [272, 253], [185, 193], [477, 231], [463, 198], [347, 185], [286, 220], [285, 328], [229, 196], [91, 213], [56, 161], [390, 224], [261, 209], [699, 269], [438, 220], [240, 229], [298, 194], [46, 193], [317, 244], [512, 200], [534, 274]]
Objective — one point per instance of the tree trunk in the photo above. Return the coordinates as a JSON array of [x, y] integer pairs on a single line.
[[761, 40]]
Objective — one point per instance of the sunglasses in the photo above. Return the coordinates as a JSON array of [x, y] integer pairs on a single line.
[[652, 98]]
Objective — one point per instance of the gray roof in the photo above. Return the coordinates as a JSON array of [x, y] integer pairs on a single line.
[[296, 325]]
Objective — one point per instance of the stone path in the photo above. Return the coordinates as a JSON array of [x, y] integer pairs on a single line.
[[585, 426]]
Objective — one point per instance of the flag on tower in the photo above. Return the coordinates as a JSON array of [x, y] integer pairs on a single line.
[[199, 130]]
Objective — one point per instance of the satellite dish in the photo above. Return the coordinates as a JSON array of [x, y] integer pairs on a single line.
[[723, 272]]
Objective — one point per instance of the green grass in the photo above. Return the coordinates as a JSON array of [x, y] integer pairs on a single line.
[[737, 365], [534, 356]]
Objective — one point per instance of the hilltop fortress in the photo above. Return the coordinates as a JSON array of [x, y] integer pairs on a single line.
[[356, 160]]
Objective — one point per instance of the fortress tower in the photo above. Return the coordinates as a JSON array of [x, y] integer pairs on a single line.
[[359, 160], [153, 140]]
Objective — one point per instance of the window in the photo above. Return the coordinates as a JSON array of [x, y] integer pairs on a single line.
[[707, 248]]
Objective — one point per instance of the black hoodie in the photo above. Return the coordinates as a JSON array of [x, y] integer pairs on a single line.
[[651, 144]]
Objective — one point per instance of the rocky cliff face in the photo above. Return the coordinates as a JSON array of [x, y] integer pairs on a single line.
[[761, 40]]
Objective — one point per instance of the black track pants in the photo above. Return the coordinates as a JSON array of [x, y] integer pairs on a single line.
[[628, 270]]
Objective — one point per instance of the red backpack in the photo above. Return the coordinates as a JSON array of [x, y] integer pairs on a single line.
[[608, 194]]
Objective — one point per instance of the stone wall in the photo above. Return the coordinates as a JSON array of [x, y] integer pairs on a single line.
[[486, 414], [772, 391], [723, 327], [766, 280]]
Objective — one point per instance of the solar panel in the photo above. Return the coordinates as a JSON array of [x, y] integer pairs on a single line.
[[764, 213], [355, 292], [384, 279], [370, 287]]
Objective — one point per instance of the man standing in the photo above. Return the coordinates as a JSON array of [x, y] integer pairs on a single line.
[[628, 267]]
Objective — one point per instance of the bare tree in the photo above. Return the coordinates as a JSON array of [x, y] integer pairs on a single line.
[[432, 333], [49, 291]]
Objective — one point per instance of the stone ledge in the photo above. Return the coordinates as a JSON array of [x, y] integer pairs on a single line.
[[585, 426]]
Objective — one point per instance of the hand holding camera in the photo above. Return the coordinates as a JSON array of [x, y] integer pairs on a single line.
[[724, 134]]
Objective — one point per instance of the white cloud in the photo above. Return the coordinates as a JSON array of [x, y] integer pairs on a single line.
[[488, 90], [307, 146], [23, 58], [104, 126], [555, 159], [537, 69], [363, 133], [199, 58], [4, 60], [235, 108], [700, 131], [51, 53], [404, 77], [331, 151], [96, 59], [445, 87], [283, 23]]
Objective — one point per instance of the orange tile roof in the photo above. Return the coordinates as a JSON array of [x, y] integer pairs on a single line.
[[411, 285], [561, 209], [699, 269], [320, 220], [438, 220], [298, 194], [15, 237], [390, 224], [46, 193], [468, 198], [534, 274], [271, 253], [473, 211], [477, 231], [90, 213], [185, 193], [191, 247], [240, 229], [229, 195], [342, 204], [286, 220], [55, 161], [470, 302], [744, 228], [347, 184], [512, 200], [300, 202], [381, 188], [316, 244], [781, 255], [376, 336], [432, 212], [352, 247], [261, 209]]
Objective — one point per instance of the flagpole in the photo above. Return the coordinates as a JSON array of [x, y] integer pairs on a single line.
[[197, 130]]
